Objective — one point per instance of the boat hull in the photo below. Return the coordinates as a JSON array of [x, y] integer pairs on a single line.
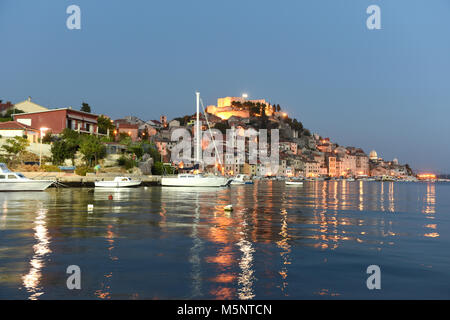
[[195, 182], [294, 183], [241, 182], [117, 184], [27, 185]]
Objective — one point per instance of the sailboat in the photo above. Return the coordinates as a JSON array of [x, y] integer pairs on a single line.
[[196, 180]]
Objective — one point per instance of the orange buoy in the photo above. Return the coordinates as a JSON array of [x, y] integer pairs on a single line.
[[110, 197]]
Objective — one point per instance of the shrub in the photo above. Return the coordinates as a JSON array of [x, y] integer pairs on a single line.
[[48, 138], [82, 170], [51, 168], [126, 162]]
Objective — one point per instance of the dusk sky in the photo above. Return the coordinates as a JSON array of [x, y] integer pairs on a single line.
[[387, 89]]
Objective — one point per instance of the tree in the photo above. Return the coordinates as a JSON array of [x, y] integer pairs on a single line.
[[48, 138], [124, 138], [85, 107], [9, 115], [136, 149], [152, 150], [104, 123], [59, 152], [264, 118], [65, 147], [14, 147], [159, 169], [92, 149], [72, 140], [254, 110], [297, 125]]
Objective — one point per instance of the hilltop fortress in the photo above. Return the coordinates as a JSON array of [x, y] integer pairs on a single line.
[[236, 106]]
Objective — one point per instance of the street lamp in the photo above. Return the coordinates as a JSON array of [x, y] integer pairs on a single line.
[[41, 130]]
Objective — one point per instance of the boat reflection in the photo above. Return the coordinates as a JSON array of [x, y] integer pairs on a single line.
[[195, 251], [430, 209]]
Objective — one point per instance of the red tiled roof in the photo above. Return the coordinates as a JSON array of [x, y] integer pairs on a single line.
[[14, 125]]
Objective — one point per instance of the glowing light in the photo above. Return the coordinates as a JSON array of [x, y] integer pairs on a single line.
[[426, 176]]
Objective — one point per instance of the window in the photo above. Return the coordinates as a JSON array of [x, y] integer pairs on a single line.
[[2, 176], [11, 176]]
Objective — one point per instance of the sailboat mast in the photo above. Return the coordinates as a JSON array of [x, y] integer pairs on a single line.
[[198, 127]]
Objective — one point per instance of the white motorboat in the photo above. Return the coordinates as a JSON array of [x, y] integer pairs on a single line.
[[293, 183], [14, 181], [195, 180], [241, 179], [118, 182]]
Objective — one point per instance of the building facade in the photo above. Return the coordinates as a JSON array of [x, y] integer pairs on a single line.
[[56, 120]]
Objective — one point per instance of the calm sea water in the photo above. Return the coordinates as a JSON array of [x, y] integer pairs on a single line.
[[280, 242]]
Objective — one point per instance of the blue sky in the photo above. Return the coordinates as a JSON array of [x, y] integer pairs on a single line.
[[387, 90]]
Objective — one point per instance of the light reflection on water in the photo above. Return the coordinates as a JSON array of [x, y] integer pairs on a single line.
[[313, 241], [32, 280]]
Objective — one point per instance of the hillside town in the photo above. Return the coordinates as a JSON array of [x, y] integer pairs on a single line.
[[145, 145]]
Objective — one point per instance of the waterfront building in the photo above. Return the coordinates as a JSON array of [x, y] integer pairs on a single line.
[[56, 120], [332, 166], [249, 169], [312, 168], [12, 129], [130, 129]]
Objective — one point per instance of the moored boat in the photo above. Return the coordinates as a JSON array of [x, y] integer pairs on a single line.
[[241, 179], [293, 183], [118, 182], [14, 181], [195, 180]]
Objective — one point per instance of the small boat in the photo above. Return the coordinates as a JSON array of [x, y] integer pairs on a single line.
[[14, 181], [118, 182], [194, 180], [241, 179], [293, 183]]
